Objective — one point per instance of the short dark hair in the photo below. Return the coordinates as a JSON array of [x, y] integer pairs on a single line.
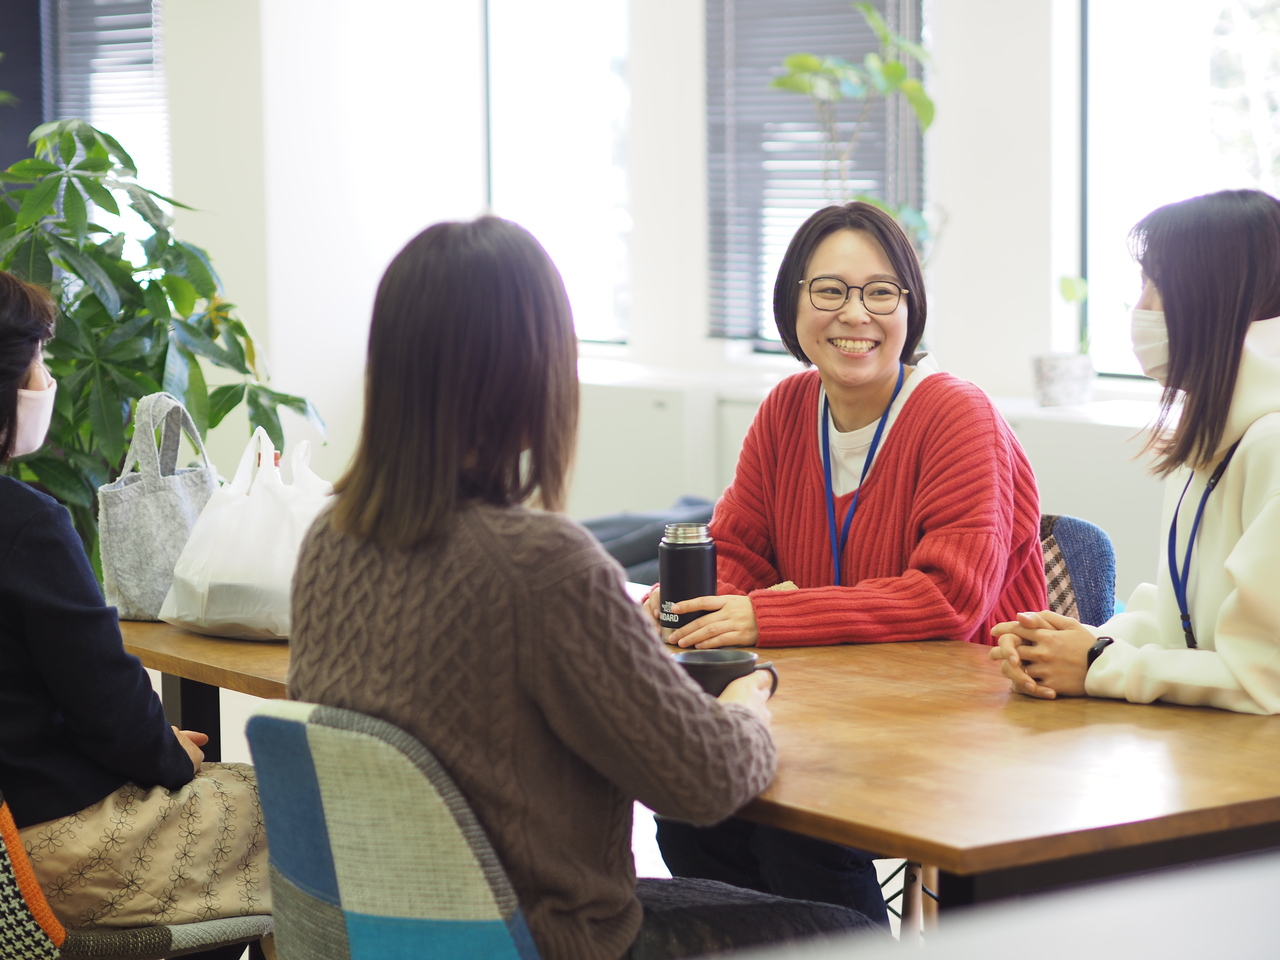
[[471, 385], [851, 216], [1216, 261], [26, 322]]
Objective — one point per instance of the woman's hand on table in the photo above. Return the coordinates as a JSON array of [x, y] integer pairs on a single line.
[[192, 741], [752, 691], [729, 622], [1043, 654]]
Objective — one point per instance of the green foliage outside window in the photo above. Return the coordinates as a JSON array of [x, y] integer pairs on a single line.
[[830, 82]]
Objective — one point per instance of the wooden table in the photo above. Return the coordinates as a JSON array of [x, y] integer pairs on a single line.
[[919, 750], [193, 667]]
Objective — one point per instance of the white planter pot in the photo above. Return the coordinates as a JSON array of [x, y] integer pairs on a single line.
[[1063, 379]]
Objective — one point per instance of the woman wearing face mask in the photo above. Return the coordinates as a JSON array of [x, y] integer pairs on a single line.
[[1207, 327], [122, 825]]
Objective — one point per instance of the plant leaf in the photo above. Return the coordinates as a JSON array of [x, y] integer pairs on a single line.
[[297, 404], [920, 102], [199, 270], [875, 21], [67, 146], [74, 212], [802, 63], [222, 400], [61, 480], [134, 383], [117, 151], [93, 165], [157, 303], [106, 416], [795, 83], [176, 368], [169, 200], [91, 273], [12, 243], [146, 208], [181, 292], [31, 263], [8, 216], [196, 398], [38, 202], [128, 350], [895, 71], [262, 413], [195, 340], [101, 196], [33, 167]]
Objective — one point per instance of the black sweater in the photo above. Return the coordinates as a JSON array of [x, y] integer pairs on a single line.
[[78, 716]]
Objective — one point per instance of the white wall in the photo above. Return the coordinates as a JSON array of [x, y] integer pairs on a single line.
[[1002, 170], [339, 131]]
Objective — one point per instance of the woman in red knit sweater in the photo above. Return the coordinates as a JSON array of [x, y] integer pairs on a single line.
[[876, 499], [929, 495]]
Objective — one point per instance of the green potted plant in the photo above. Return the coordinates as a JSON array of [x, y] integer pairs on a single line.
[[830, 82], [1065, 379], [134, 316]]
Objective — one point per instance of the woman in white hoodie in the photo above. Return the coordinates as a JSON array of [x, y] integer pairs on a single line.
[[1207, 327]]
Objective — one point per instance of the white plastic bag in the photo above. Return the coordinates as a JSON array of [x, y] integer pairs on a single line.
[[232, 578]]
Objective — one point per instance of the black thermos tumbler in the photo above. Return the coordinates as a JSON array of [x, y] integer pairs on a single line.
[[686, 569]]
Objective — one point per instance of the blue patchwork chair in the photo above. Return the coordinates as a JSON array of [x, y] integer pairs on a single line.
[[374, 853], [1079, 569], [30, 931]]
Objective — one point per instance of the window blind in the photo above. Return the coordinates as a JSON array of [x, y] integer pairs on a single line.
[[764, 146], [107, 68]]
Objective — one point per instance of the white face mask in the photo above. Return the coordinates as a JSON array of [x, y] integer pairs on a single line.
[[1151, 343], [35, 410]]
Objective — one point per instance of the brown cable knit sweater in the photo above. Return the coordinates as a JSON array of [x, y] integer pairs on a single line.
[[512, 651]]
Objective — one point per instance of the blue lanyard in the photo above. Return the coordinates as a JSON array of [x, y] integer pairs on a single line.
[[838, 541], [1180, 579]]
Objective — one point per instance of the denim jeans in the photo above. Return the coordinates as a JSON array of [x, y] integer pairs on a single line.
[[774, 861]]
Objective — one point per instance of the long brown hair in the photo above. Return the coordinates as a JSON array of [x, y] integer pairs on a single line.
[[851, 216], [1216, 261], [471, 385], [26, 322]]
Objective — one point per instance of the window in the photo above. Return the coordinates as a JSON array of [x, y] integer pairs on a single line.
[[1183, 98], [765, 166], [558, 108], [106, 68]]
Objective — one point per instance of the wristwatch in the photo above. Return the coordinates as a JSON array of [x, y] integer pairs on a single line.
[[1096, 651]]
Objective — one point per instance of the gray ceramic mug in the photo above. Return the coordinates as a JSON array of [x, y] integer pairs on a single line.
[[716, 669]]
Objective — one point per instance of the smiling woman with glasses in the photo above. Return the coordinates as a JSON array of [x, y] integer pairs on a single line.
[[876, 499]]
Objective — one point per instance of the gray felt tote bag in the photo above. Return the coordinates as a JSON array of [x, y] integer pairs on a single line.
[[144, 518]]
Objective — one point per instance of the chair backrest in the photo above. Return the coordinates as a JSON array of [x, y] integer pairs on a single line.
[[374, 852], [28, 928], [1079, 569]]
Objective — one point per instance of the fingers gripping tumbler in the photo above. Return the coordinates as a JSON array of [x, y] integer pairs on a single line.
[[686, 569]]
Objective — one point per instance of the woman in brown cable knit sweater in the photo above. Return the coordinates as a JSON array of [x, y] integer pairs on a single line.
[[500, 635]]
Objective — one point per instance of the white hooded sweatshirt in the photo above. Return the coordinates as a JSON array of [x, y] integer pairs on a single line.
[[1233, 589]]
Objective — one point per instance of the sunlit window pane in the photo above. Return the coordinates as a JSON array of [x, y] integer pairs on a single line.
[[1183, 99], [559, 102]]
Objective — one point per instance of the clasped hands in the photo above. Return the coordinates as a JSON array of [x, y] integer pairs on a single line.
[[1043, 654]]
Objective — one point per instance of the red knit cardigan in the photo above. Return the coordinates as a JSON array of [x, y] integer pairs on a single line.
[[944, 545]]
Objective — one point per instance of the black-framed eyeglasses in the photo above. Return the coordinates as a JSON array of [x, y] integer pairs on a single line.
[[878, 296]]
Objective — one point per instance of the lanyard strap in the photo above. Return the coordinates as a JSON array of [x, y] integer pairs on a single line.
[[1180, 578], [838, 541]]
